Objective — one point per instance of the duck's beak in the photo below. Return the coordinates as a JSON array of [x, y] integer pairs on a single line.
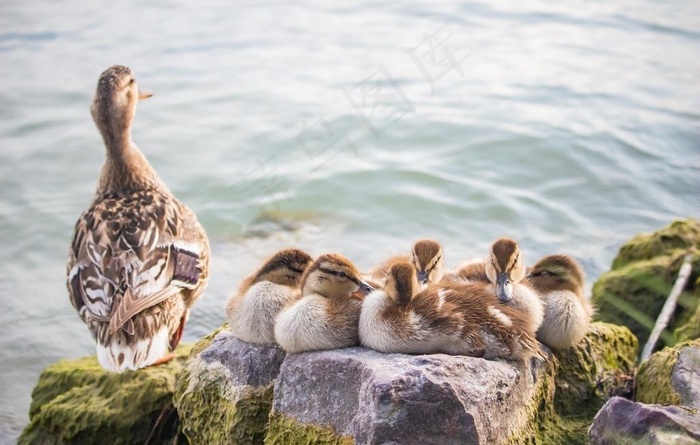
[[145, 94], [362, 291], [422, 277], [504, 287]]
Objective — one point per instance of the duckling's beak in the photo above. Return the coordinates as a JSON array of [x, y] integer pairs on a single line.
[[145, 94], [422, 277], [504, 287], [362, 291]]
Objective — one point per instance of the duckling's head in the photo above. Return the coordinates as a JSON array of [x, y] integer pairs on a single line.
[[286, 268], [401, 283], [426, 257], [557, 273], [334, 276], [505, 267], [114, 104]]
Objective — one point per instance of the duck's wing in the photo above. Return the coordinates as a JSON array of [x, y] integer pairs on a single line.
[[131, 253]]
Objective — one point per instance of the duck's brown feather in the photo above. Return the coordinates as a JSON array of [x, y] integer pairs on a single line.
[[130, 253]]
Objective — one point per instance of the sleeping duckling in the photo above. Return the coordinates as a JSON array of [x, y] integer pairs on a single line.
[[505, 268], [567, 313], [454, 319], [251, 311], [426, 256], [139, 259], [326, 314]]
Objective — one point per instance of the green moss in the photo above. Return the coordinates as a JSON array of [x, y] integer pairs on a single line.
[[215, 411], [689, 328], [76, 401], [653, 383], [634, 291], [599, 367], [681, 235], [283, 430], [576, 384]]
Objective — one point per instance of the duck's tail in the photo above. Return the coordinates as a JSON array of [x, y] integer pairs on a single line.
[[118, 355]]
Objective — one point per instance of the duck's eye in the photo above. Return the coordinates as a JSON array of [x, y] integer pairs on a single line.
[[131, 82], [342, 274]]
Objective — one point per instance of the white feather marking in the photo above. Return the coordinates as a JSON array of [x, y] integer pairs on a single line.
[[138, 355], [74, 271], [183, 245], [503, 318], [441, 298]]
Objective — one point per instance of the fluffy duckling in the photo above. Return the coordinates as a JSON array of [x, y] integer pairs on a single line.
[[326, 314], [454, 319], [505, 268], [138, 258], [559, 281], [251, 311], [473, 271], [426, 256]]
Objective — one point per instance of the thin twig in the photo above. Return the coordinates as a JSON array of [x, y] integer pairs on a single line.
[[669, 307]]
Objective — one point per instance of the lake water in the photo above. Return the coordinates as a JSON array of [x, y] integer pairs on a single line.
[[354, 128]]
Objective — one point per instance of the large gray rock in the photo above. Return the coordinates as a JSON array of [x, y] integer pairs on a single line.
[[623, 422], [361, 396], [686, 375], [224, 392]]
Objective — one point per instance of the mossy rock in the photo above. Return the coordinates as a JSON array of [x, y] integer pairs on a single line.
[[655, 379], [599, 367], [78, 402], [284, 430], [689, 328], [633, 292], [580, 381], [681, 235], [224, 393]]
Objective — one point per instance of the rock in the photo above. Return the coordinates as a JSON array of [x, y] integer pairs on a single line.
[[690, 329], [599, 367], [224, 393], [621, 421], [642, 275], [671, 376], [360, 395], [77, 402]]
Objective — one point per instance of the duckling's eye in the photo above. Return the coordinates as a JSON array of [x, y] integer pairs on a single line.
[[342, 274], [131, 81]]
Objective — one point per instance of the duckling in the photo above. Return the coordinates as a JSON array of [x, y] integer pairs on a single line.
[[461, 319], [326, 313], [505, 269], [472, 271], [559, 281], [139, 259], [426, 256], [252, 310]]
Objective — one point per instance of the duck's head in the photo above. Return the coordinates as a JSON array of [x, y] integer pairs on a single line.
[[426, 257], [334, 276], [557, 273], [286, 267], [114, 104], [401, 283], [505, 267]]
